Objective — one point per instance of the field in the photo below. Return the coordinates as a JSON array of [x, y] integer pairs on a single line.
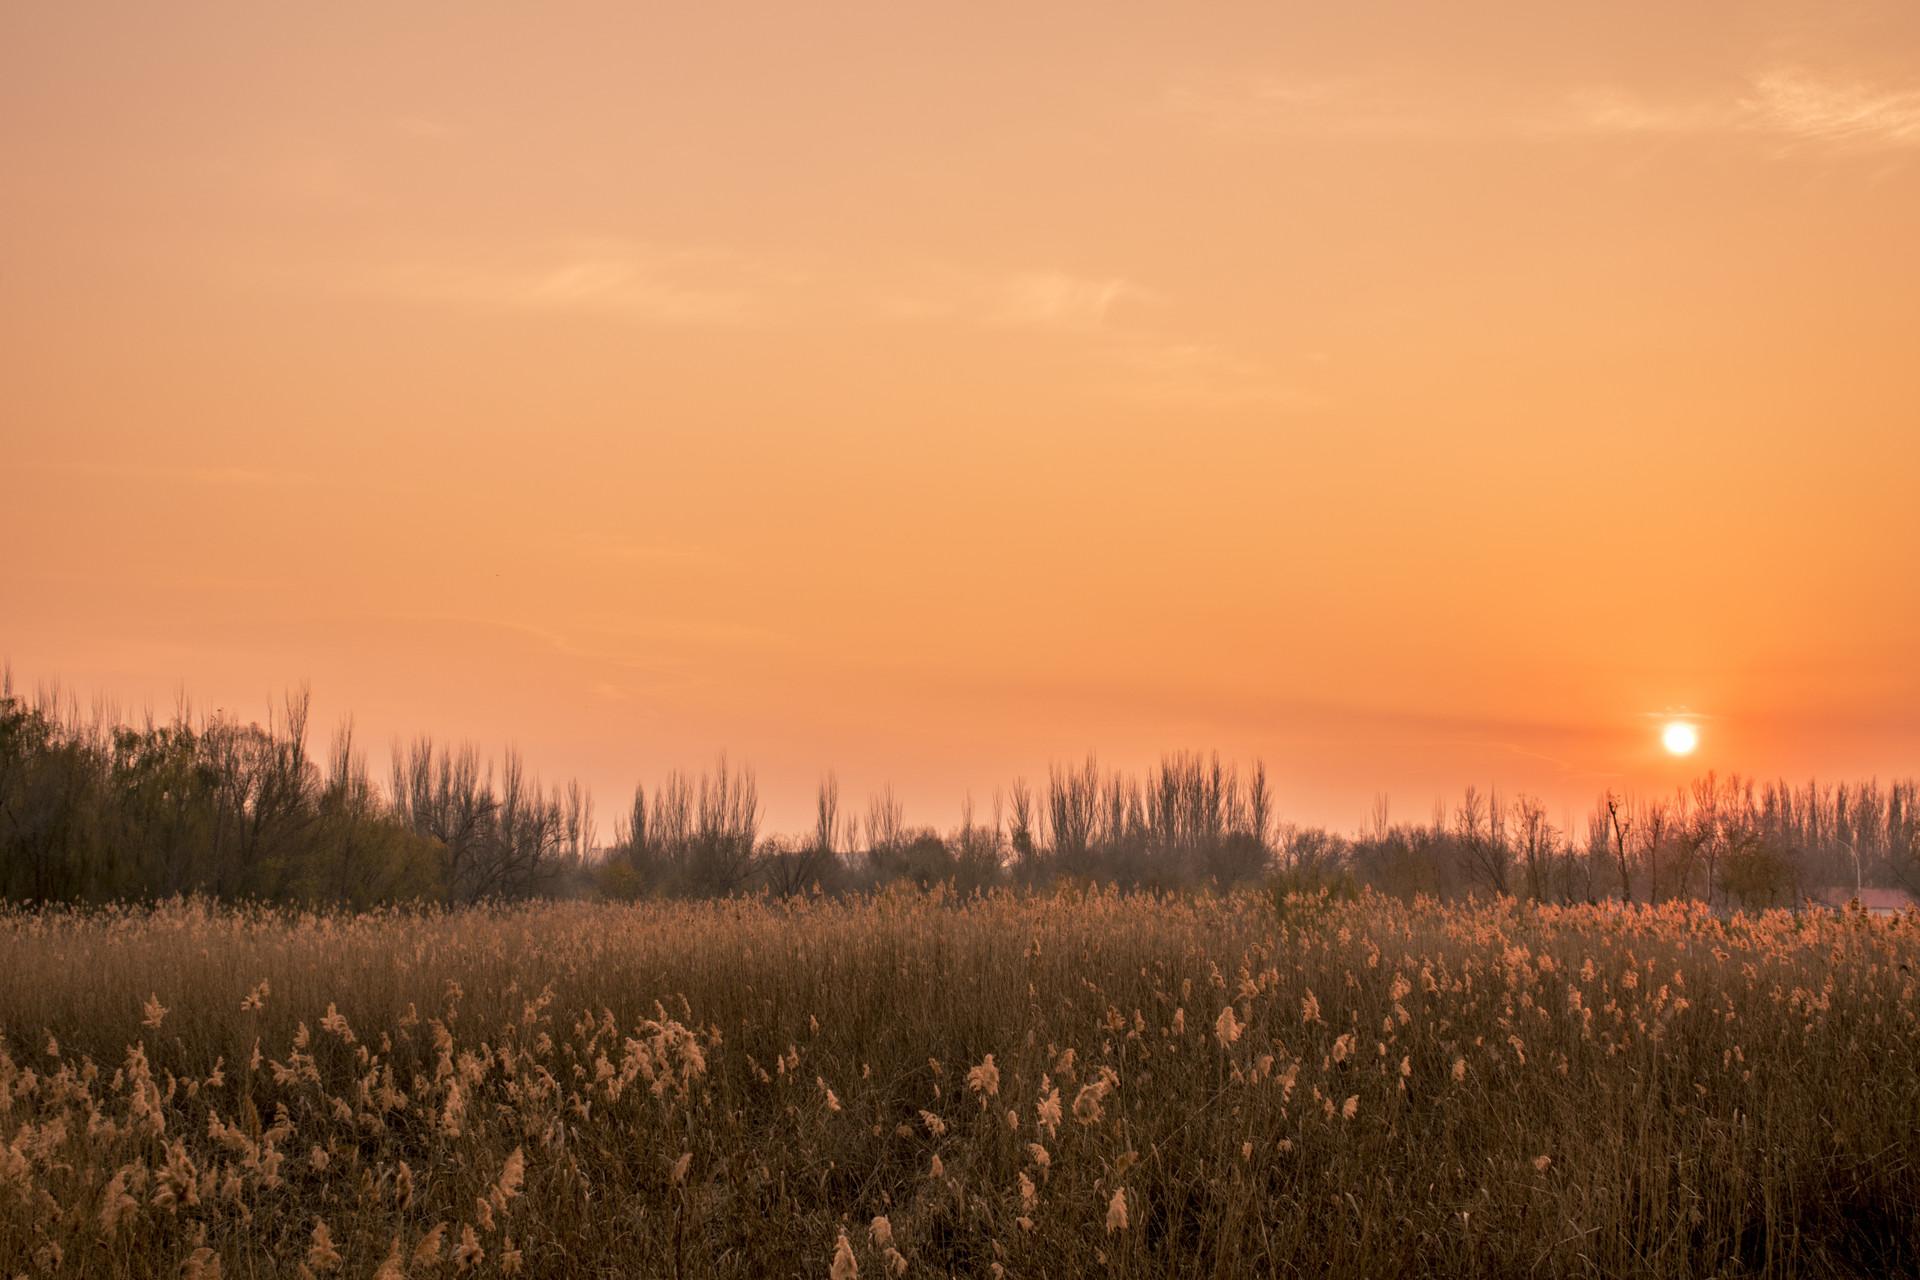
[[914, 1085]]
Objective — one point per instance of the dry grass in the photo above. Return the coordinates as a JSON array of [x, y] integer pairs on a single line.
[[913, 1086]]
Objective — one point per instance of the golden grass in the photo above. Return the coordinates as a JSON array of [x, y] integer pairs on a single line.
[[917, 1086]]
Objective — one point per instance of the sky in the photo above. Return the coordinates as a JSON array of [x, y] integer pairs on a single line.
[[1407, 395]]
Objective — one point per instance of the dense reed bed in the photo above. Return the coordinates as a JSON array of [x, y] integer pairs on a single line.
[[914, 1085]]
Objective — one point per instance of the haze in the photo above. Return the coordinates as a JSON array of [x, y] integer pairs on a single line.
[[1410, 395]]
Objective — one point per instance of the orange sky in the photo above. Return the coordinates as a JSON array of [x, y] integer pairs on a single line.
[[1413, 395]]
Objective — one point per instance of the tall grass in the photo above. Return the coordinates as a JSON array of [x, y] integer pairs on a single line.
[[917, 1085]]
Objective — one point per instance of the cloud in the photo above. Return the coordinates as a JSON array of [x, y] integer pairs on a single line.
[[1789, 103], [1045, 299], [606, 277], [1343, 107], [1781, 104], [1612, 110], [1849, 113], [1055, 300], [1118, 355], [1390, 108], [713, 287]]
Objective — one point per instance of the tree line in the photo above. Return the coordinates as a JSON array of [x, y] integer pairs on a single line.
[[1733, 842], [95, 809], [1191, 820]]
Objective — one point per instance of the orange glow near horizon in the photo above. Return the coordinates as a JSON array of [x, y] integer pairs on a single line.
[[1410, 397]]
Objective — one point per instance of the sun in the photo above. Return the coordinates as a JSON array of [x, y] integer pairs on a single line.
[[1679, 738]]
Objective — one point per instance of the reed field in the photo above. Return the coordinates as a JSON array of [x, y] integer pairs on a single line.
[[920, 1085]]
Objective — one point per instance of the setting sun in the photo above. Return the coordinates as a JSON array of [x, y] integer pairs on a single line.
[[1679, 738]]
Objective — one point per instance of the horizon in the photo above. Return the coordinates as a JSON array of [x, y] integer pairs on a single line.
[[1405, 398], [983, 808]]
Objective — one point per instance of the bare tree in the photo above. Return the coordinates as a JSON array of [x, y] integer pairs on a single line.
[[1021, 824], [1073, 797], [1620, 827], [1259, 823], [1479, 827], [442, 795], [721, 858], [828, 829], [794, 868], [886, 820], [1536, 836], [1656, 821], [1379, 815]]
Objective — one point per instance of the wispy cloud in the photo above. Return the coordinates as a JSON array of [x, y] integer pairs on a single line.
[[704, 286], [1848, 113], [1110, 321], [1614, 111], [1101, 312], [1784, 105], [1056, 300], [1792, 104], [609, 277], [1351, 107], [1384, 108], [1049, 298]]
